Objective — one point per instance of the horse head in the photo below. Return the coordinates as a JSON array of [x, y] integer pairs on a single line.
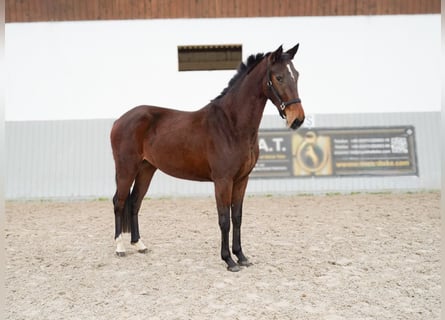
[[281, 86]]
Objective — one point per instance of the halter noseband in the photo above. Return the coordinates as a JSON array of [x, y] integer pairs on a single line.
[[283, 104]]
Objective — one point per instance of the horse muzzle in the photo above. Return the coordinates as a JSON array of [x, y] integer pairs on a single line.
[[295, 116], [297, 123]]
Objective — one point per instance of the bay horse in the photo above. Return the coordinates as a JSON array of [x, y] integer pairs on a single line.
[[217, 143]]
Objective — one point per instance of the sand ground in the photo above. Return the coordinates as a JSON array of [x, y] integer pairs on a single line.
[[364, 256]]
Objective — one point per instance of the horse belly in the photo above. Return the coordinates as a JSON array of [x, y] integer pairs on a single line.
[[184, 172], [178, 162]]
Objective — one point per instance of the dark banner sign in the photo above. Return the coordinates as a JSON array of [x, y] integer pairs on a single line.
[[379, 151]]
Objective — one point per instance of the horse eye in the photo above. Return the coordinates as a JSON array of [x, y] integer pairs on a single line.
[[279, 78]]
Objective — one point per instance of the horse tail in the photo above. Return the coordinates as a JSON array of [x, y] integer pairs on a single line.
[[126, 215]]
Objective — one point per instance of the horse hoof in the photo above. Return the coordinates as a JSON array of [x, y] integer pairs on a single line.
[[245, 263], [234, 268], [140, 246], [120, 254]]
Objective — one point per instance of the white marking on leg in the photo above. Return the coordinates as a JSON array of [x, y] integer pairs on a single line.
[[140, 246], [120, 248], [290, 71]]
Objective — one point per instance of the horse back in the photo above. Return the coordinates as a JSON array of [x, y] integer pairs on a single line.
[[171, 140]]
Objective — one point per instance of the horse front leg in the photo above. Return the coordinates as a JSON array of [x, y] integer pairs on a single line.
[[223, 193], [237, 214]]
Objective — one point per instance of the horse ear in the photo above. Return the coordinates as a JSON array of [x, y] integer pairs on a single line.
[[274, 56], [293, 51]]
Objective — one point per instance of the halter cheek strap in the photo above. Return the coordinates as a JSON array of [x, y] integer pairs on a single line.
[[282, 104]]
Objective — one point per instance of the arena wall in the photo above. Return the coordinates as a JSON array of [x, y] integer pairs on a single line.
[[100, 69], [356, 71], [72, 159]]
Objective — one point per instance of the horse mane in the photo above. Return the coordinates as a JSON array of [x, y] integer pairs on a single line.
[[243, 69]]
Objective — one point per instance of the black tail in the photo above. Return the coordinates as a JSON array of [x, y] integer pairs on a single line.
[[126, 217]]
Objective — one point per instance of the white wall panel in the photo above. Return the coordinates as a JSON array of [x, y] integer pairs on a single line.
[[72, 159]]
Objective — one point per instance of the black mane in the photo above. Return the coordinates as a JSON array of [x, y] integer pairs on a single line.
[[244, 68]]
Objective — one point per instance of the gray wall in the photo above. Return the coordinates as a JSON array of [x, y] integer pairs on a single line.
[[72, 159]]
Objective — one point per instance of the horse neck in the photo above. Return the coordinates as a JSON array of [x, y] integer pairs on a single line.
[[245, 104]]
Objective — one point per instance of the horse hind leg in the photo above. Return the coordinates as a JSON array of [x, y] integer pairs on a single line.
[[140, 188], [121, 217], [122, 204]]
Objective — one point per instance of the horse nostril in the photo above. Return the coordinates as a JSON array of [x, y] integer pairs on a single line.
[[297, 123]]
